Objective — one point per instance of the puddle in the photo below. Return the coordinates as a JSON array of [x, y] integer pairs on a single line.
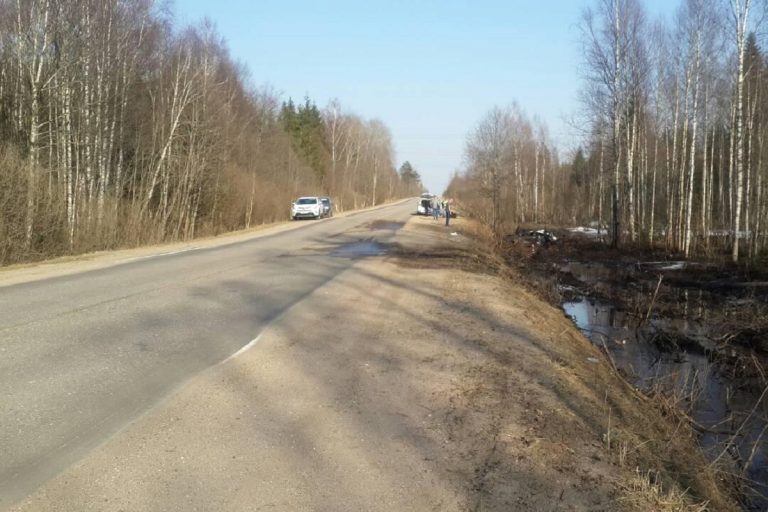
[[364, 249], [389, 225], [676, 351]]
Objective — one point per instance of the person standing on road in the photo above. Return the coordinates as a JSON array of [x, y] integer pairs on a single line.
[[447, 211], [435, 209]]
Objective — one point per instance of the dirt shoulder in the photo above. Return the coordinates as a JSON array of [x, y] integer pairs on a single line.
[[421, 380], [67, 265]]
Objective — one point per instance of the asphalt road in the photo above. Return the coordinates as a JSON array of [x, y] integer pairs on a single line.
[[81, 356]]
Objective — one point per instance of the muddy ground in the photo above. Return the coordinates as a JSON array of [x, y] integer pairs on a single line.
[[424, 378]]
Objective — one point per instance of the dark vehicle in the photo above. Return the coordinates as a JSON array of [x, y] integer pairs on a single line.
[[537, 236], [327, 206]]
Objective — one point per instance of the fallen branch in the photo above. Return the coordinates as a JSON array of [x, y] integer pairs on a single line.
[[653, 299]]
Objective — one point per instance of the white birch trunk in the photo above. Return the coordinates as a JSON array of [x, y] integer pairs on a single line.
[[692, 164], [741, 15]]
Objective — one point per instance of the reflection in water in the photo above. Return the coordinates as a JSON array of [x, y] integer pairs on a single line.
[[688, 373]]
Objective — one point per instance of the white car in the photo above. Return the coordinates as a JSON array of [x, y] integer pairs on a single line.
[[307, 207], [424, 207]]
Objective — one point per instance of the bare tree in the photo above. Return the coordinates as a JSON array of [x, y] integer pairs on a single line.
[[740, 11], [613, 37]]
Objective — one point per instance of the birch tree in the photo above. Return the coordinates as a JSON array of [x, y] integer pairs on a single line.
[[740, 12], [612, 36]]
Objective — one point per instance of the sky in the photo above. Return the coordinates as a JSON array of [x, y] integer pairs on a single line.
[[429, 69]]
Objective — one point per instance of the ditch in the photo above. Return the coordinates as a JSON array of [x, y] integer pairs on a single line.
[[691, 335]]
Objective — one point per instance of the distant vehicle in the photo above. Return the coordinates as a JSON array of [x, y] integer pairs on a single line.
[[424, 206], [327, 206], [310, 207]]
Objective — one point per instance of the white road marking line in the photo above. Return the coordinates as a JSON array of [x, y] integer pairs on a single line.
[[243, 349]]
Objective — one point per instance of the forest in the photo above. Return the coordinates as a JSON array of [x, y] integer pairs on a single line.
[[673, 124], [118, 128]]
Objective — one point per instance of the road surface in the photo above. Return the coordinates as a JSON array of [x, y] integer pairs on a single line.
[[83, 355]]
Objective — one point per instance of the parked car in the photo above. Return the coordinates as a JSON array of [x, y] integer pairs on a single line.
[[327, 206], [310, 207], [424, 207]]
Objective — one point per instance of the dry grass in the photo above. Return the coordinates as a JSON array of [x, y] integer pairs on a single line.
[[647, 489]]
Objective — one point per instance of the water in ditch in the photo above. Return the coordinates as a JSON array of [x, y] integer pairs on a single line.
[[678, 352]]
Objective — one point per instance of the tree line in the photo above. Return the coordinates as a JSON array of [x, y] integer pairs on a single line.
[[674, 121], [513, 174], [120, 128], [675, 114]]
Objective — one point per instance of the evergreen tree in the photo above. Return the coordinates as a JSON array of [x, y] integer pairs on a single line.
[[408, 174], [307, 130]]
